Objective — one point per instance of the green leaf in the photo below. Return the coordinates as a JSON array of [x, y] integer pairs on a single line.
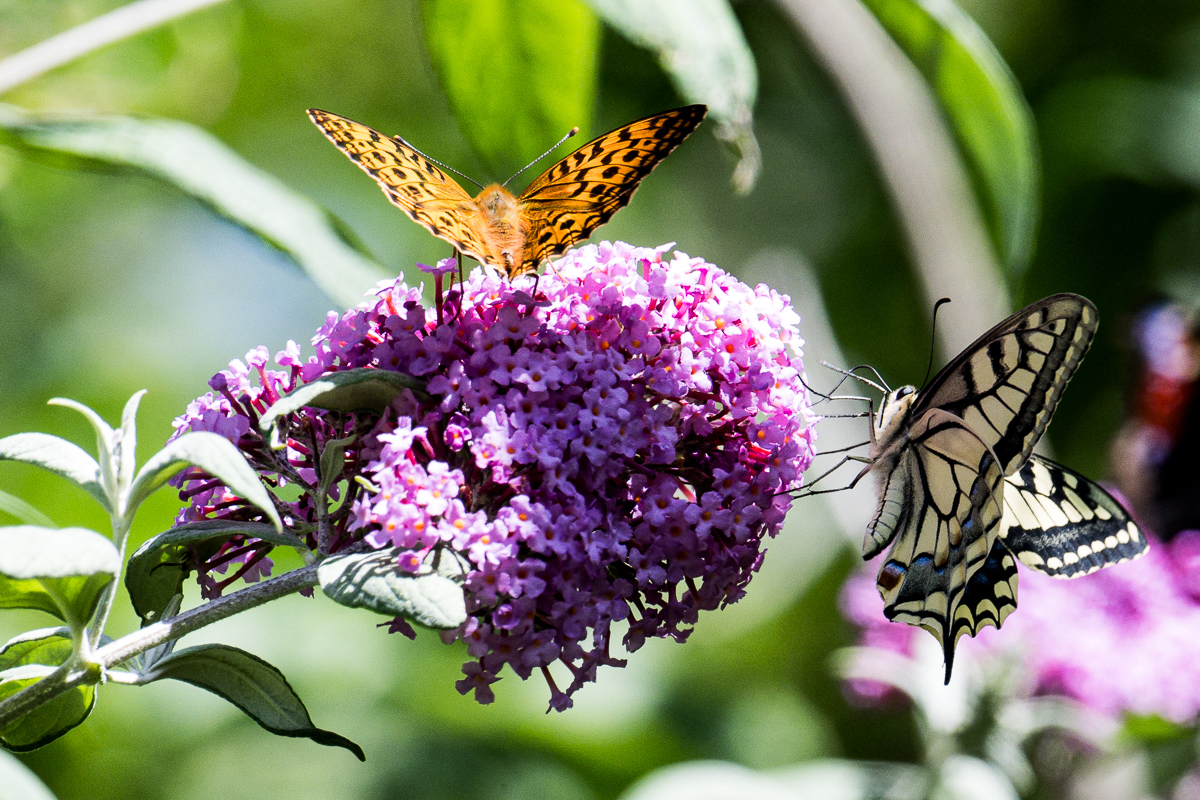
[[983, 103], [518, 73], [105, 438], [333, 461], [48, 647], [197, 164], [251, 684], [16, 507], [1152, 729], [156, 572], [351, 390], [60, 457], [699, 44], [213, 453], [375, 581], [19, 782], [127, 443], [58, 570]]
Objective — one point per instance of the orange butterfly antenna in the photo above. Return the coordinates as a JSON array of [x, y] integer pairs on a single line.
[[570, 133]]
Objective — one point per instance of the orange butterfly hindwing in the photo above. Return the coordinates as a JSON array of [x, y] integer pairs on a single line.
[[560, 208]]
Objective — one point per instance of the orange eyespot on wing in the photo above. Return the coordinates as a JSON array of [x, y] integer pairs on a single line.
[[582, 191], [411, 182]]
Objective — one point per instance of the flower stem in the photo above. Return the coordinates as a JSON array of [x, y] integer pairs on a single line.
[[74, 674]]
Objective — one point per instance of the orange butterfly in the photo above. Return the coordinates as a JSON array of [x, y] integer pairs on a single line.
[[563, 206]]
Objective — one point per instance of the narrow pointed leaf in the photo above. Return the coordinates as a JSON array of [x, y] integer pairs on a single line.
[[351, 390], [985, 107], [105, 440], [699, 44], [333, 461], [48, 648], [251, 684], [157, 570], [60, 457], [217, 456], [19, 781], [103, 430], [58, 570], [199, 165], [128, 443], [375, 581], [515, 87], [16, 507]]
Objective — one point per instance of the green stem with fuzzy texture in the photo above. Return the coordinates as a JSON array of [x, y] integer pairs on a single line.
[[77, 673]]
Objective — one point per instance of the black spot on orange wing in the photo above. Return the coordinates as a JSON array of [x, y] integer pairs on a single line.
[[602, 176], [410, 181]]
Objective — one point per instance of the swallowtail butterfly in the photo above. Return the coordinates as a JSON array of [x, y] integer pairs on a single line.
[[962, 498]]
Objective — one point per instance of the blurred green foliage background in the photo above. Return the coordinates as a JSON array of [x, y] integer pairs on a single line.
[[112, 282]]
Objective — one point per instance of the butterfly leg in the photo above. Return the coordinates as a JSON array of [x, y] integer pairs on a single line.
[[845, 449], [826, 396], [808, 491]]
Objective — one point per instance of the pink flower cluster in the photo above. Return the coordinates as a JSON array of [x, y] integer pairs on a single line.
[[613, 450], [1120, 640]]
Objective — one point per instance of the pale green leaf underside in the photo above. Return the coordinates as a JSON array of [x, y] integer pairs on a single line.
[[700, 45], [57, 570], [196, 163], [217, 456], [59, 456], [375, 581], [985, 107], [19, 782]]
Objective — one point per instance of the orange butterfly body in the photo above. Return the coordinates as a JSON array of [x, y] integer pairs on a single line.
[[516, 233]]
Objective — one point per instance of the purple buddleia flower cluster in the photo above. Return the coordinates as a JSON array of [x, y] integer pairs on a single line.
[[611, 450], [1119, 640]]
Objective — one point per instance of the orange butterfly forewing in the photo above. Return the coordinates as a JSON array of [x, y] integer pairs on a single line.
[[561, 207]]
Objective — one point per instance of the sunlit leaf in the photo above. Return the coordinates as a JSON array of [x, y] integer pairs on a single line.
[[194, 162], [105, 436], [700, 45], [985, 107], [351, 390], [49, 647], [375, 581], [251, 684], [156, 572], [19, 782], [217, 456], [518, 73], [60, 457], [57, 570]]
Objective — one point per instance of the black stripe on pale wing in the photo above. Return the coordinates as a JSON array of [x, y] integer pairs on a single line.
[[950, 532], [1007, 384], [1059, 522]]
